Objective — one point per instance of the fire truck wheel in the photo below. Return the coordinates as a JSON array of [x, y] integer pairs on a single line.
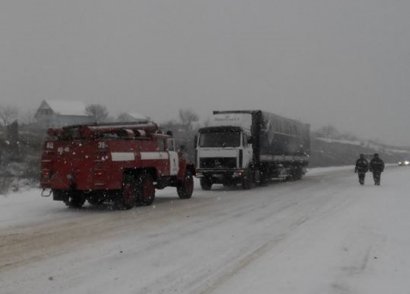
[[94, 200], [146, 193], [128, 193], [206, 183], [186, 187], [75, 199]]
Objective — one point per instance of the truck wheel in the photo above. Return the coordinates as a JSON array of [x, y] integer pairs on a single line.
[[146, 190], [186, 187], [247, 181], [74, 199], [206, 183], [128, 193]]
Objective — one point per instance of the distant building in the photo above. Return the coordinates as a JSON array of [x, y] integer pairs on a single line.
[[59, 113]]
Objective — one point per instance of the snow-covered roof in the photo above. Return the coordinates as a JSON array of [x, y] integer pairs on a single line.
[[137, 115], [134, 116], [66, 107]]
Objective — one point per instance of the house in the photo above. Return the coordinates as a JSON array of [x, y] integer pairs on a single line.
[[59, 113]]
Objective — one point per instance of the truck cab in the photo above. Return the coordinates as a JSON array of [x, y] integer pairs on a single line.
[[224, 151]]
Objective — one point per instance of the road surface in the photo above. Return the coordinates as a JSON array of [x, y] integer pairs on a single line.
[[324, 234]]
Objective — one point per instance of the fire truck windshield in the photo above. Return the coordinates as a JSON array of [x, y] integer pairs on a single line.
[[69, 134]]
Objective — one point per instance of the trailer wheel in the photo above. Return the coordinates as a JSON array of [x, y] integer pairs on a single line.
[[297, 174], [263, 179], [206, 183], [74, 199], [128, 193], [186, 187], [146, 190]]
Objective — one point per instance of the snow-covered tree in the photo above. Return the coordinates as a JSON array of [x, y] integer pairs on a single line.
[[188, 117]]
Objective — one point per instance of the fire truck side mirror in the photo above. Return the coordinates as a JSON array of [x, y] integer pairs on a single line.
[[170, 144], [195, 141]]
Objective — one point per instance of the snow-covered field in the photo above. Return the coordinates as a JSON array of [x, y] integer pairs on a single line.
[[324, 234]]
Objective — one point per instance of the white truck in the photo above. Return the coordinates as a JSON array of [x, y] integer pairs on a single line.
[[250, 147]]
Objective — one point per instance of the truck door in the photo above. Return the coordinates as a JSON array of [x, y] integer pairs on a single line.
[[247, 151], [173, 157]]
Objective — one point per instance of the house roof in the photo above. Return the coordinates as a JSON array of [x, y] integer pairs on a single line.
[[133, 116], [138, 116], [63, 107]]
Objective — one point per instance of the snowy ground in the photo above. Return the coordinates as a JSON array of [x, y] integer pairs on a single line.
[[324, 234]]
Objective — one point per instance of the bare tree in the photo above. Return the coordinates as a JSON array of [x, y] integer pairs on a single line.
[[8, 114], [123, 117], [188, 117], [328, 132], [98, 112], [27, 117]]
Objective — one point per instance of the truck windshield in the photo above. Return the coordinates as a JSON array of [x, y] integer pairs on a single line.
[[220, 139]]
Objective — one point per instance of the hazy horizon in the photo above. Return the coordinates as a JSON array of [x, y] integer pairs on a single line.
[[339, 63]]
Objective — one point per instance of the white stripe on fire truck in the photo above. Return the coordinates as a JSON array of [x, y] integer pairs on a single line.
[[154, 155], [122, 156]]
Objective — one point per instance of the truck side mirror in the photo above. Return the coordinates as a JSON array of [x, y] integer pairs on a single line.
[[195, 141]]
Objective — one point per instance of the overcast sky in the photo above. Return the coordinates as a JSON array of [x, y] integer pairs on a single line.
[[344, 63]]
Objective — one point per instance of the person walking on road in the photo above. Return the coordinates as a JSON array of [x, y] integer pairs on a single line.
[[362, 166], [376, 167]]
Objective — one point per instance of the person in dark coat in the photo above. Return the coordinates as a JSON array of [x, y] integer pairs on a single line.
[[362, 166], [376, 167]]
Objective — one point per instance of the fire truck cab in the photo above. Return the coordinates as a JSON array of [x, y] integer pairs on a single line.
[[123, 163]]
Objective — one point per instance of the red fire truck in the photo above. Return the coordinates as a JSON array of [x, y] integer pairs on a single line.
[[122, 163]]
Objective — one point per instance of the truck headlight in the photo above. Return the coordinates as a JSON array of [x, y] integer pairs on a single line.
[[237, 174]]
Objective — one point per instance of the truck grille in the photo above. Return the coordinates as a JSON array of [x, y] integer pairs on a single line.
[[217, 162]]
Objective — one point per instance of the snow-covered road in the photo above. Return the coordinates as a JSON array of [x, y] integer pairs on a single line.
[[324, 234]]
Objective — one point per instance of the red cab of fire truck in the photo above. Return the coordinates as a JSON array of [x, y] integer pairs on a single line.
[[121, 163]]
